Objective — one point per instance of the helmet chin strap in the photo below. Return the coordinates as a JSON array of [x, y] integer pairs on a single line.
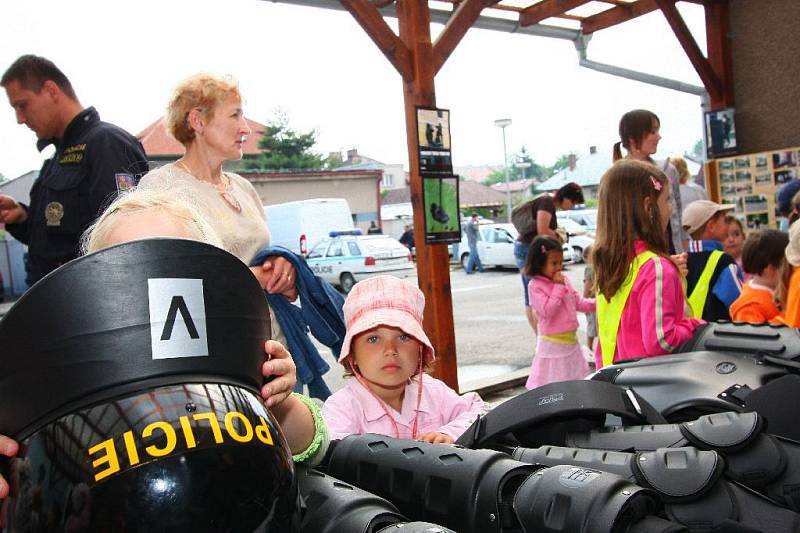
[[361, 379]]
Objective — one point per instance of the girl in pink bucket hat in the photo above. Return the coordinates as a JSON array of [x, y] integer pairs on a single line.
[[387, 351]]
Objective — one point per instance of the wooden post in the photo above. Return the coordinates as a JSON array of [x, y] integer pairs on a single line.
[[703, 66], [417, 60], [718, 45], [433, 263]]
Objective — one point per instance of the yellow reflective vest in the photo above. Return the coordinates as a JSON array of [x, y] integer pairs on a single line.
[[697, 300], [609, 313]]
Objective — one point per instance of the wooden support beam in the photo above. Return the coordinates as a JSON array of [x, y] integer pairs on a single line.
[[462, 19], [546, 9], [368, 16], [616, 15], [704, 69], [433, 263], [718, 44]]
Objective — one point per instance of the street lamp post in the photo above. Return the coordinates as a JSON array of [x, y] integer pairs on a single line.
[[502, 123]]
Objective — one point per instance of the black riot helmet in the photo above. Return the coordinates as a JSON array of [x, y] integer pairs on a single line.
[[130, 377]]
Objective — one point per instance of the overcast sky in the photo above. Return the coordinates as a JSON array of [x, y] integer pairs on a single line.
[[321, 68]]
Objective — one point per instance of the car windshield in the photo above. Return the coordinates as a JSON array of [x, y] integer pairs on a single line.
[[381, 244], [318, 249], [571, 226]]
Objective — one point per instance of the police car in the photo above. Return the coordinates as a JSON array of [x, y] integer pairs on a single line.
[[346, 257]]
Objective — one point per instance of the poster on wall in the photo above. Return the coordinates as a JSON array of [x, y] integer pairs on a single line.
[[433, 139], [720, 133], [440, 198]]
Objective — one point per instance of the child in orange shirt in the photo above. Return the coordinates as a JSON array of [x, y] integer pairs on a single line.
[[762, 258]]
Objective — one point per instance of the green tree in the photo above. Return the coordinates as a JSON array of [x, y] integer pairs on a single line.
[[284, 148], [535, 170], [697, 149], [560, 164]]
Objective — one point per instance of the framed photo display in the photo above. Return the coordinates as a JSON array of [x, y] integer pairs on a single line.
[[440, 198], [752, 182]]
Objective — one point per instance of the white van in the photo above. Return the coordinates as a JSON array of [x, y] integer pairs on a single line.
[[299, 225]]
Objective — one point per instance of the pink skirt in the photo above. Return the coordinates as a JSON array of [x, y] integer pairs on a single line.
[[557, 362]]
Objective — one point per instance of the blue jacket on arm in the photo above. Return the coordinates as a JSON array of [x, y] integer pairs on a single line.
[[320, 313]]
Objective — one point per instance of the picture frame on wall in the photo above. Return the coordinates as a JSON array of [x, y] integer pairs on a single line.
[[433, 141], [720, 133]]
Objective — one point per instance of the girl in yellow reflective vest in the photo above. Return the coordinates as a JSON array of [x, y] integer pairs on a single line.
[[640, 294]]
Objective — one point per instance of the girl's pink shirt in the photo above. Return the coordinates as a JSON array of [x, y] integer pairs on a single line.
[[353, 410], [643, 331], [557, 305]]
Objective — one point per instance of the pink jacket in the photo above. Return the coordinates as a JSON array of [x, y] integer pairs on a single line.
[[353, 410], [644, 329], [557, 305]]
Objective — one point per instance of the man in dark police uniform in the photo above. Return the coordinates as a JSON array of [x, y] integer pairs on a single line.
[[93, 161]]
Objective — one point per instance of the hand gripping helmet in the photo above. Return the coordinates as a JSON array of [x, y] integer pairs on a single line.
[[130, 377]]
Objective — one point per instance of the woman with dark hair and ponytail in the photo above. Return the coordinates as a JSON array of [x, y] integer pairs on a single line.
[[538, 218], [639, 135]]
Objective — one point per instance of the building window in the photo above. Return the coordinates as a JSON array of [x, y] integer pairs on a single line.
[[388, 180]]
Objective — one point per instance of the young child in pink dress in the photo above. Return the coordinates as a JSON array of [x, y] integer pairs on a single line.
[[387, 351], [559, 355]]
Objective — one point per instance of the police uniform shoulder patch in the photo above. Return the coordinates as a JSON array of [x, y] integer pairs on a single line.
[[124, 182]]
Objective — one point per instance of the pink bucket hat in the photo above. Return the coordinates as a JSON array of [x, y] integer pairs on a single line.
[[385, 301]]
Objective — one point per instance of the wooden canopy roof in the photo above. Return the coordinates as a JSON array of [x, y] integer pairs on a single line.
[[418, 58]]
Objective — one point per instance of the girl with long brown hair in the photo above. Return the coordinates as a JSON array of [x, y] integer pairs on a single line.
[[640, 295], [639, 133]]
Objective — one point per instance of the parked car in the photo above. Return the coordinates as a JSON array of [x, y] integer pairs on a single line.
[[346, 257], [496, 246], [579, 240], [585, 217]]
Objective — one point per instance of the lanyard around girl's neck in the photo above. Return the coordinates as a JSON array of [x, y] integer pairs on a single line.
[[383, 405]]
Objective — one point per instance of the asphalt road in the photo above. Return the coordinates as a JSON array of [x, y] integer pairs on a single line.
[[492, 335]]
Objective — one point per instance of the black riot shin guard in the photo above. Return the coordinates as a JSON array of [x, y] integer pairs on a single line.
[[544, 415], [584, 500], [332, 506], [688, 481], [434, 482], [765, 463], [465, 490]]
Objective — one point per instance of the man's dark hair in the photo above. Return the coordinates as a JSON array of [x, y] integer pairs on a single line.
[[32, 71], [763, 248]]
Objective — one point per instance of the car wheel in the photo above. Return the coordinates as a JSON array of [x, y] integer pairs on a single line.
[[465, 261], [347, 281], [577, 254]]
